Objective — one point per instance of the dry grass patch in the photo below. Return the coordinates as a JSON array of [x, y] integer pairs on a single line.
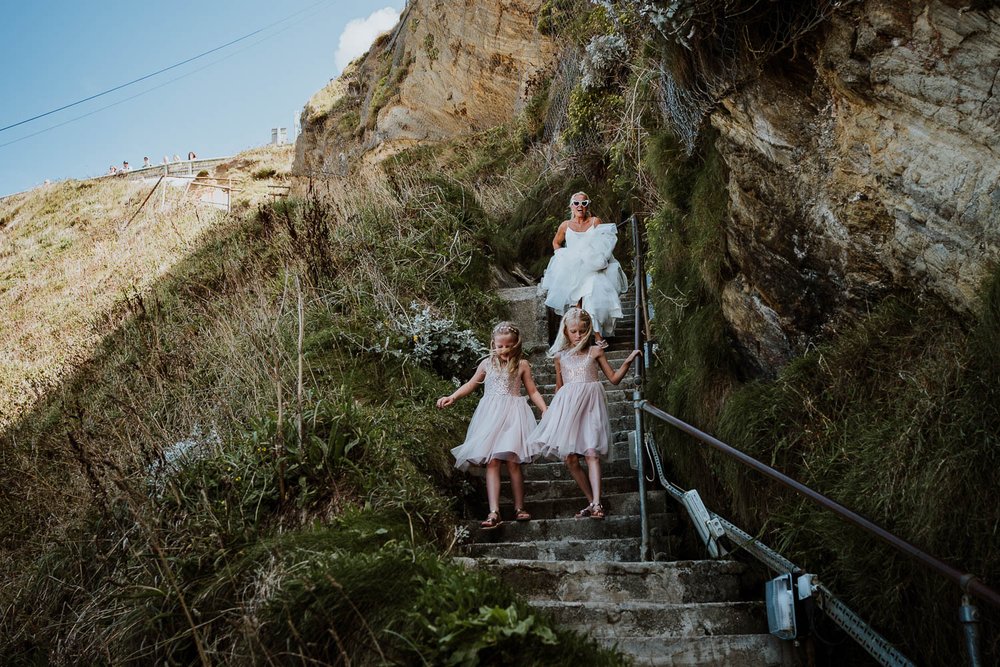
[[72, 253]]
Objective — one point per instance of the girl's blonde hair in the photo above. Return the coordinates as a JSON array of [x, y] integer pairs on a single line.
[[513, 363], [577, 316]]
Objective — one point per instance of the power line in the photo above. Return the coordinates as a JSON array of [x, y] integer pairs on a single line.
[[168, 82], [161, 71]]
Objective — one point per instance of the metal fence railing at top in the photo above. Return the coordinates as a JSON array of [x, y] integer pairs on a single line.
[[876, 645]]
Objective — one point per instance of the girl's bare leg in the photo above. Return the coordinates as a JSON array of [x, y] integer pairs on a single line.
[[516, 483], [493, 484], [573, 463], [594, 471]]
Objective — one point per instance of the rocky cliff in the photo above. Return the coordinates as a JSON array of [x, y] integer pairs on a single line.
[[872, 169], [860, 163], [446, 69]]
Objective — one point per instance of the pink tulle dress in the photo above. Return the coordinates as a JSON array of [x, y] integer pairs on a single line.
[[577, 419], [500, 425]]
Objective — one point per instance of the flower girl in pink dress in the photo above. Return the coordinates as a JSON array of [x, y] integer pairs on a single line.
[[577, 422], [502, 420]]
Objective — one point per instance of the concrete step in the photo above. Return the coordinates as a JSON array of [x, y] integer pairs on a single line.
[[618, 620], [611, 527], [580, 581], [750, 650], [599, 550], [557, 470], [615, 504], [540, 489]]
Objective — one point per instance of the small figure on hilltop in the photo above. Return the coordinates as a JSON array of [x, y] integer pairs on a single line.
[[112, 169], [502, 420], [125, 167], [577, 422], [192, 156], [177, 158], [585, 273], [166, 160], [146, 163]]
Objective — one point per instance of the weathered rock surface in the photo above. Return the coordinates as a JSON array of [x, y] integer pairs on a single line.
[[874, 167], [446, 69], [866, 165]]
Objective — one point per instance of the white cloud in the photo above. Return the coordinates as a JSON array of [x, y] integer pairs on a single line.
[[359, 34]]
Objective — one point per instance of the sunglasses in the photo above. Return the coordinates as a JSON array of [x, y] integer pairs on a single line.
[[582, 202]]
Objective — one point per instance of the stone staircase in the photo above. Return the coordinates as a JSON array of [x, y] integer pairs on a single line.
[[586, 573]]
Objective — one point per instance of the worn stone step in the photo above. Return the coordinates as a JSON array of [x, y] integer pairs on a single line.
[[607, 549], [540, 489], [617, 620], [558, 529], [581, 581], [543, 470], [749, 650], [617, 504]]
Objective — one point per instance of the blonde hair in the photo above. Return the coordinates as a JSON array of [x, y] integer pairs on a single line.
[[561, 344], [513, 363], [575, 194]]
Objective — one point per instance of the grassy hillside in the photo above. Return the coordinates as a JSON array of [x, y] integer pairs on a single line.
[[71, 259], [248, 465]]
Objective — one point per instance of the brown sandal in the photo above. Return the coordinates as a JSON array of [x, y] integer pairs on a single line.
[[597, 511], [491, 522], [585, 512], [521, 515]]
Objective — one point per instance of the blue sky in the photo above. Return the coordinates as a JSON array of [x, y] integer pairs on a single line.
[[55, 53]]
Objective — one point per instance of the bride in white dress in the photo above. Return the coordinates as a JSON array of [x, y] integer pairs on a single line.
[[585, 273]]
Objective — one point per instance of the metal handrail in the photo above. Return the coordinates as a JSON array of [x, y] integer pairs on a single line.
[[969, 584]]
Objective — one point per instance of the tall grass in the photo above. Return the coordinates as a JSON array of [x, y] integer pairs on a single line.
[[243, 471]]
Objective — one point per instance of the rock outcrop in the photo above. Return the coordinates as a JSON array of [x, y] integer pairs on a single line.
[[866, 165], [447, 68], [873, 169]]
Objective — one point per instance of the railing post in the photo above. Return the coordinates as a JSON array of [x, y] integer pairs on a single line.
[[968, 614], [640, 436]]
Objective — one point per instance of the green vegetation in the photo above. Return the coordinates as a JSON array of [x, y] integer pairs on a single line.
[[589, 112], [687, 258], [896, 418], [250, 468], [267, 172], [431, 50]]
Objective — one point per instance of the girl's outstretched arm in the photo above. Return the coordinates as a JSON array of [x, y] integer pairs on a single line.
[[558, 375], [530, 387], [615, 376], [466, 388]]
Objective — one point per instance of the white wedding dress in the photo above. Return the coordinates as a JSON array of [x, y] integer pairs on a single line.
[[586, 269]]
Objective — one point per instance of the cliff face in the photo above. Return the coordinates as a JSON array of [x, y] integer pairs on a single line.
[[875, 168], [447, 68], [867, 164]]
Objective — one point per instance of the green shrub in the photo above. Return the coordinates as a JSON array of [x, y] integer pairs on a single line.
[[266, 172]]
